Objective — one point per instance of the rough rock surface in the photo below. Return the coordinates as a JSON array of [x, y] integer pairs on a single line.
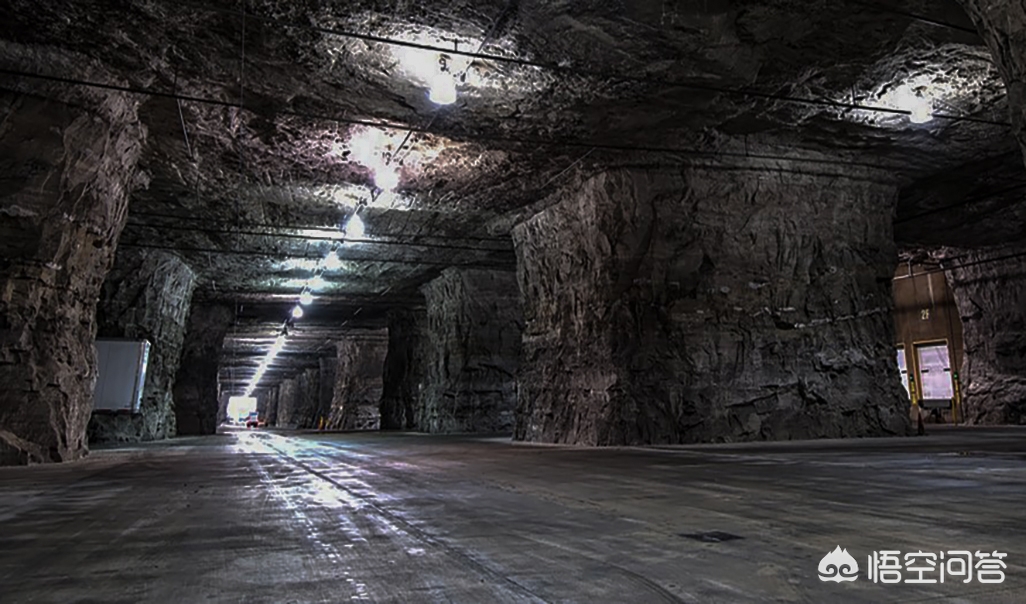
[[196, 392], [358, 381], [1002, 23], [308, 399], [146, 296], [270, 405], [237, 191], [990, 290], [405, 369], [326, 397], [288, 395], [68, 160], [709, 306], [299, 400], [474, 332]]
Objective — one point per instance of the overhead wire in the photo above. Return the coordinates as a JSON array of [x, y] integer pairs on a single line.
[[964, 202], [481, 56], [295, 227], [492, 138], [319, 238], [269, 254], [577, 70]]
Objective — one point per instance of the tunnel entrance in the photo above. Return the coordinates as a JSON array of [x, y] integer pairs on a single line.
[[240, 409], [929, 342]]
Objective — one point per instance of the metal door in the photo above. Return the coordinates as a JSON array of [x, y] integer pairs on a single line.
[[934, 366]]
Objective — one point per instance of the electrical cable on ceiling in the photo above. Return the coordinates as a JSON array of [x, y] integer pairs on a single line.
[[268, 254], [480, 47], [600, 75], [923, 18], [965, 202], [980, 262], [308, 238], [695, 153], [415, 240]]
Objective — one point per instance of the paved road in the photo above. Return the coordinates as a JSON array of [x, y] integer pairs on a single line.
[[274, 517]]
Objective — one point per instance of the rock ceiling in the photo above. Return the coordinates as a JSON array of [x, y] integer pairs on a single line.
[[269, 121]]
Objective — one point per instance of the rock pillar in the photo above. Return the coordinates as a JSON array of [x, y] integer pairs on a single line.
[[271, 406], [405, 369], [196, 389], [288, 395], [473, 349], [990, 290], [146, 296], [709, 306], [358, 381], [68, 158], [328, 375], [1002, 24]]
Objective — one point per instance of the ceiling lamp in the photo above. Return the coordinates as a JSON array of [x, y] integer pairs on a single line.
[[306, 298], [332, 262], [921, 111], [386, 178], [297, 312], [907, 98], [316, 283], [354, 228], [443, 89], [443, 84]]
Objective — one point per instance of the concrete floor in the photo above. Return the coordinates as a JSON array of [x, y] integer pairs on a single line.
[[272, 517]]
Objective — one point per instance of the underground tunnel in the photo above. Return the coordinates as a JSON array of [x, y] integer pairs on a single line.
[[512, 300]]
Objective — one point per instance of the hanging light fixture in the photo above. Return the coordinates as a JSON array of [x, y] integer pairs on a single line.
[[355, 228], [316, 283], [386, 178], [443, 85], [332, 262], [921, 111], [443, 90], [306, 298], [297, 312], [907, 98]]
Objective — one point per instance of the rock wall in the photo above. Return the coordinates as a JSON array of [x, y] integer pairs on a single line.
[[223, 399], [271, 395], [196, 391], [298, 401], [709, 306], [288, 396], [990, 291], [474, 331], [1002, 24], [405, 369], [991, 294], [68, 159], [326, 398], [358, 381], [146, 296], [308, 391]]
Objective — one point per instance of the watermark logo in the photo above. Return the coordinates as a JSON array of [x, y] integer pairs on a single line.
[[838, 566], [891, 566]]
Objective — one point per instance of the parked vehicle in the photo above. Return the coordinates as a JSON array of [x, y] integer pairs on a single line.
[[253, 420]]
